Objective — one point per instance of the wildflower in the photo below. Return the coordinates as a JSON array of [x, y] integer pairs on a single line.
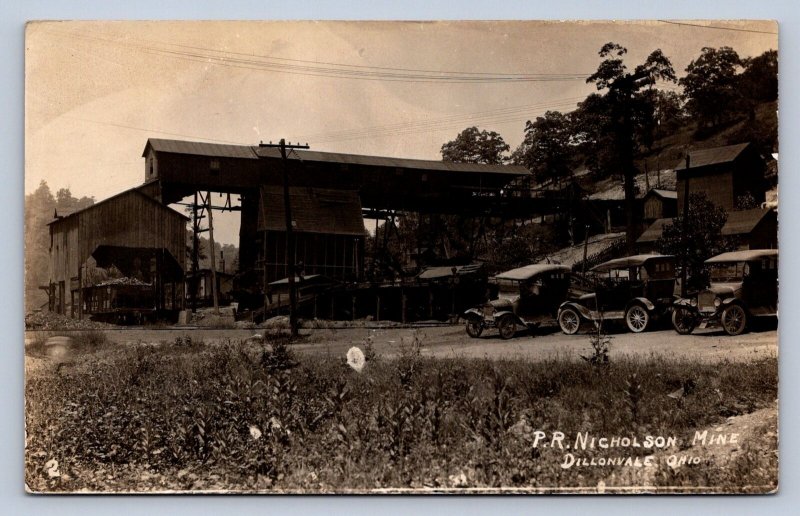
[[255, 433], [355, 358]]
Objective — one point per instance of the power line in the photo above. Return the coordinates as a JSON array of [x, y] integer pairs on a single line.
[[487, 116], [717, 28], [148, 130], [338, 71]]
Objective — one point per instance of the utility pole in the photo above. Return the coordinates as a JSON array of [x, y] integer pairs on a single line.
[[290, 251], [685, 228], [212, 254], [195, 254]]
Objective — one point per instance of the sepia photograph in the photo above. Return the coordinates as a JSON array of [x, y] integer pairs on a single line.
[[385, 257]]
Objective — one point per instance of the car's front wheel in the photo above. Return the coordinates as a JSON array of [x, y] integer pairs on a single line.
[[636, 317], [569, 320], [734, 319], [683, 320], [474, 328], [507, 327]]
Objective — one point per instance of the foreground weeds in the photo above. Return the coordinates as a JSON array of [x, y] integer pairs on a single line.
[[252, 416]]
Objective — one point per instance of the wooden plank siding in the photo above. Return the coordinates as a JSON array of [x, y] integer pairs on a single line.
[[130, 219]]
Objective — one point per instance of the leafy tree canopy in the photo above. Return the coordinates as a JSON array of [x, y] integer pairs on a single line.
[[710, 85], [474, 146], [704, 238]]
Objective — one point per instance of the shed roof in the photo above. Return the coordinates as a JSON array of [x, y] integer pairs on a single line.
[[529, 271], [314, 210], [712, 156], [744, 221], [132, 191], [215, 150]]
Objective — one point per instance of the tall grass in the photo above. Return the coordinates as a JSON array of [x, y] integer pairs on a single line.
[[248, 416]]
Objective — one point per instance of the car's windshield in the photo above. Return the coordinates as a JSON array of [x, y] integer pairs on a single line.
[[508, 287], [728, 271]]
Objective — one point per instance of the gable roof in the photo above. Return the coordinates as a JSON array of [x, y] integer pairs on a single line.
[[391, 162], [214, 150], [314, 210], [132, 191], [739, 223], [653, 233], [712, 156], [744, 221], [219, 150]]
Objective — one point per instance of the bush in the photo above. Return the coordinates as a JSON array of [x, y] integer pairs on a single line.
[[194, 417]]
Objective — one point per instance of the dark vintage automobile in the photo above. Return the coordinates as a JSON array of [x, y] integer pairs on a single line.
[[527, 296], [636, 289], [743, 286]]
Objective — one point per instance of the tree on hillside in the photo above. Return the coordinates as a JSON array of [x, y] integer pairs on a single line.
[[710, 85], [626, 108], [39, 209], [759, 80], [474, 146], [704, 238], [547, 150], [592, 124]]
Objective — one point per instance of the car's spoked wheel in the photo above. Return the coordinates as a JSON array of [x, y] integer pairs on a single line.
[[507, 327], [569, 320], [474, 329], [637, 318], [734, 320], [683, 320]]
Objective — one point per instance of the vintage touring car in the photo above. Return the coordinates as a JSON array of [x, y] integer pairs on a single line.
[[527, 296], [743, 286], [635, 288]]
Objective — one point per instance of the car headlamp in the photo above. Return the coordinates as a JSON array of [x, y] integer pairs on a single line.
[[693, 302], [717, 301]]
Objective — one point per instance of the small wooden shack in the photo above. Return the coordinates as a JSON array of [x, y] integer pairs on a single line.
[[724, 174], [659, 204], [131, 233]]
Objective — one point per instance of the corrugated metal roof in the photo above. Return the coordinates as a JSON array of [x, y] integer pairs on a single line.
[[215, 150], [713, 156], [314, 210], [529, 271], [383, 161], [447, 271], [628, 261], [653, 233], [743, 222], [744, 256]]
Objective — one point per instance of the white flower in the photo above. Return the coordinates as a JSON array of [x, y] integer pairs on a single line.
[[255, 433], [355, 358]]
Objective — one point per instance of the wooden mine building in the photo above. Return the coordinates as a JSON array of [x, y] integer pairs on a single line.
[[140, 237]]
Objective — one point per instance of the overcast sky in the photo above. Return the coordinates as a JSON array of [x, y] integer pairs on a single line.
[[95, 91]]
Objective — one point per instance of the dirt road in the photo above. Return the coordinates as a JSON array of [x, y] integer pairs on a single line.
[[452, 341]]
